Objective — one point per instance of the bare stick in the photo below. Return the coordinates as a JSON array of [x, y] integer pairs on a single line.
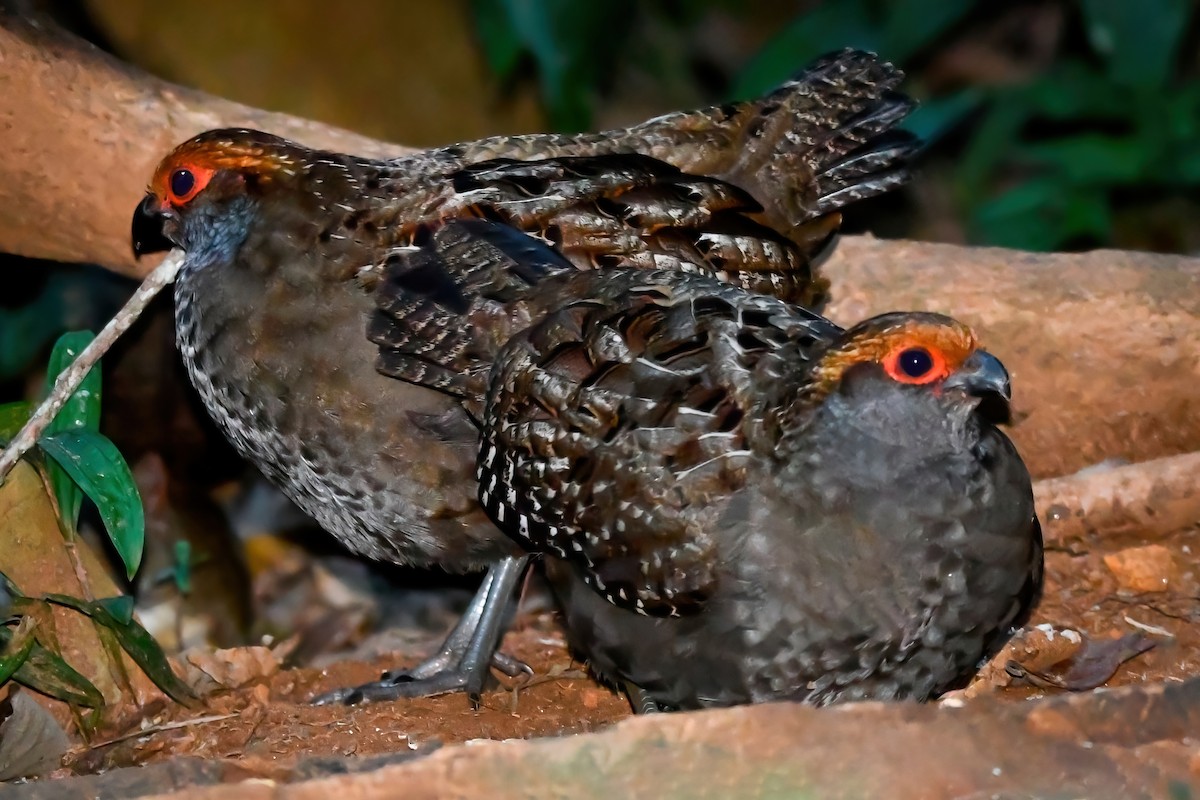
[[166, 726], [1151, 498], [70, 378]]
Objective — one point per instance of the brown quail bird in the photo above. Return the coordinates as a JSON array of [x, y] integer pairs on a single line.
[[292, 252], [741, 501]]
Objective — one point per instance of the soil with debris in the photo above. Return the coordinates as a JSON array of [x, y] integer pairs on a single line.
[[270, 724], [1114, 613]]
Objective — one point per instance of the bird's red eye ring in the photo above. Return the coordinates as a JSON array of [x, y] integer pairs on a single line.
[[185, 182], [915, 364]]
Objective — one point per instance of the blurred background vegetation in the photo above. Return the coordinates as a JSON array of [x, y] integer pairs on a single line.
[[1051, 125]]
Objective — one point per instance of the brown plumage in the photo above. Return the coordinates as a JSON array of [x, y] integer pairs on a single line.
[[743, 502], [292, 252]]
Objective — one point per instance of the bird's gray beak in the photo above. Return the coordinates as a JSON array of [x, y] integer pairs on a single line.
[[984, 377], [147, 234]]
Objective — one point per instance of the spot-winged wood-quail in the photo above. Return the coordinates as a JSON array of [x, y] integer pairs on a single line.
[[740, 501]]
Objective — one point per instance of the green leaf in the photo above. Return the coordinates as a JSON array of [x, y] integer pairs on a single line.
[[17, 650], [116, 614], [13, 417], [95, 464], [46, 672], [1139, 40], [119, 607], [898, 30], [1072, 90], [81, 412]]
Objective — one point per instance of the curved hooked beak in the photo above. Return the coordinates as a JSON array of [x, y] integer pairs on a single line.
[[147, 234], [984, 377]]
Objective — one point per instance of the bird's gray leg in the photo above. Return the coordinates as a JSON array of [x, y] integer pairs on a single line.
[[463, 660], [641, 702]]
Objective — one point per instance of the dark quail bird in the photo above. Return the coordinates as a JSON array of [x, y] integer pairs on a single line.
[[751, 505], [291, 252], [741, 501]]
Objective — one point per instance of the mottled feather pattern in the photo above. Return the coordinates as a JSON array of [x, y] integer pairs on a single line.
[[615, 426], [443, 304], [442, 307], [631, 210]]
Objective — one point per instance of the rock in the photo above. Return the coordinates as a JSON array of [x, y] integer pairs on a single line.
[[31, 740], [1130, 742], [1143, 569]]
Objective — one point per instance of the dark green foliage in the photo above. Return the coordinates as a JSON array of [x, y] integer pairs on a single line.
[[567, 41], [76, 460], [116, 614]]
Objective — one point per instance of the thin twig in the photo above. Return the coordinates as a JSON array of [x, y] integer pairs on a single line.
[[70, 378], [166, 726]]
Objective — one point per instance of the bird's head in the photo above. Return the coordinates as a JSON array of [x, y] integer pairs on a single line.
[[916, 355], [202, 195]]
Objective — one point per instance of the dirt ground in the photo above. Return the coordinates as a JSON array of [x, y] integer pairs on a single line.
[[271, 724], [1095, 587]]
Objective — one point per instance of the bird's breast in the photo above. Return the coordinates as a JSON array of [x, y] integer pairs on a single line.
[[288, 375]]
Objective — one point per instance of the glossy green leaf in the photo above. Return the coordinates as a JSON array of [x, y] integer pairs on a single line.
[[116, 614], [1138, 40], [119, 607], [81, 412], [94, 463], [13, 417], [46, 672]]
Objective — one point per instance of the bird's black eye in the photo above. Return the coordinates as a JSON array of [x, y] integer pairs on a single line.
[[182, 182], [915, 362]]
